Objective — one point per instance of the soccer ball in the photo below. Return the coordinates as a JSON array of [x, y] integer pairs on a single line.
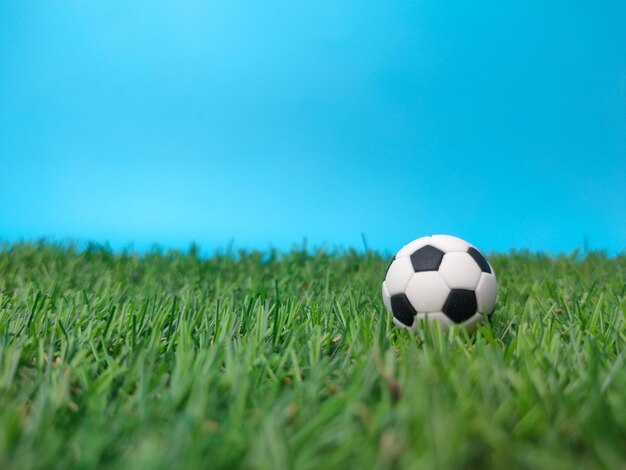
[[440, 279]]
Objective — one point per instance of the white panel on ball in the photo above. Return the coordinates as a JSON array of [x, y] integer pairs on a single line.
[[460, 271], [398, 276], [433, 317], [386, 297], [448, 243], [427, 291], [486, 292], [471, 323], [410, 248], [400, 325]]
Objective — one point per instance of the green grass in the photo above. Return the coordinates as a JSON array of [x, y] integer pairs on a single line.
[[289, 361]]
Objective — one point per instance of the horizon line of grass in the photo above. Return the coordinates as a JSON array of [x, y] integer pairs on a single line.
[[194, 249]]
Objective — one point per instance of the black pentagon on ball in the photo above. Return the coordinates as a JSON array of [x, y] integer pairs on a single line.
[[402, 309], [427, 258], [460, 305], [480, 260]]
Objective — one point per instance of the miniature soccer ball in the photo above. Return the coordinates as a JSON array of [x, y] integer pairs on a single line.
[[440, 279]]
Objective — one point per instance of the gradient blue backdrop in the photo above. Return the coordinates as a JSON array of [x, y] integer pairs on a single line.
[[267, 122]]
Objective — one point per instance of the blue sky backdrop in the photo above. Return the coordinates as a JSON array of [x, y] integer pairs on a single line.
[[265, 122]]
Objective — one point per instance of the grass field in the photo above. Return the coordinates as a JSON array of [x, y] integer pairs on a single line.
[[289, 361]]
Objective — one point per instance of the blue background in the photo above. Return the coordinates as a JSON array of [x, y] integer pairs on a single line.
[[262, 123]]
